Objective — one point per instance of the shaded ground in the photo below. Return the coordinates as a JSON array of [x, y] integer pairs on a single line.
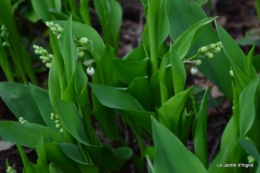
[[237, 16]]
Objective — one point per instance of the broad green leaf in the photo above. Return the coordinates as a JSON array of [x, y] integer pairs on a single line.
[[73, 152], [183, 43], [210, 68], [110, 17], [84, 11], [141, 118], [19, 100], [115, 98], [115, 158], [27, 134], [68, 49], [171, 155], [163, 81], [173, 109], [251, 72], [178, 71], [104, 68], [200, 131], [250, 148], [42, 100], [42, 159], [141, 90], [71, 120], [106, 118], [41, 9], [247, 107], [155, 86], [125, 104], [55, 82], [230, 152], [126, 71], [115, 20], [136, 54], [56, 156], [28, 166]]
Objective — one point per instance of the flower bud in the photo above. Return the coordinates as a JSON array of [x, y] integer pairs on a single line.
[[209, 54], [51, 56], [193, 70], [212, 46], [53, 28], [198, 62], [83, 40], [51, 24], [6, 44], [219, 44], [61, 130], [90, 71], [217, 49], [52, 116], [81, 54], [231, 72], [58, 125], [48, 65], [203, 49]]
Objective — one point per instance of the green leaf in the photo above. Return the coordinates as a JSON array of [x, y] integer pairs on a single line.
[[125, 104], [178, 71], [73, 152], [250, 148], [42, 100], [183, 43], [27, 134], [141, 90], [19, 100], [170, 154], [200, 131], [247, 106], [71, 120], [126, 71], [41, 9], [210, 68], [173, 110], [68, 49], [115, 98], [42, 159], [250, 71], [55, 155], [115, 158]]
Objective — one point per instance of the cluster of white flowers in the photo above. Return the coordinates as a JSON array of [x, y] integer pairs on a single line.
[[44, 55], [55, 28], [10, 170], [4, 35], [23, 121], [57, 121]]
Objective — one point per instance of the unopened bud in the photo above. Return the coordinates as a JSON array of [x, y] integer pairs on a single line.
[[203, 49], [83, 40]]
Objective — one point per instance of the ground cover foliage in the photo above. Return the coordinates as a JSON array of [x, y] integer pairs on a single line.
[[145, 91]]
